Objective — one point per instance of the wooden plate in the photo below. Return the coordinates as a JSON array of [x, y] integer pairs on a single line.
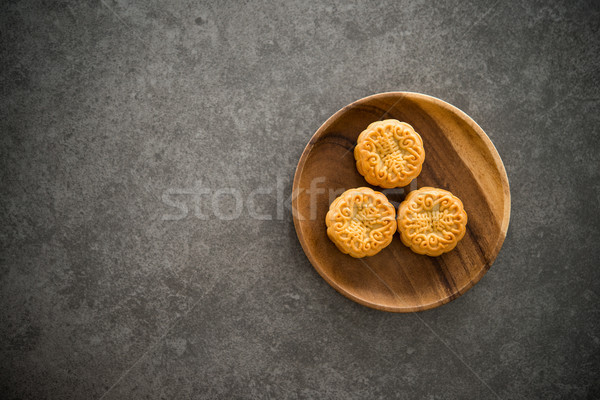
[[459, 157]]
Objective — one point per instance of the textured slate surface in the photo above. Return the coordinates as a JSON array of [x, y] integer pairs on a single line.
[[117, 283]]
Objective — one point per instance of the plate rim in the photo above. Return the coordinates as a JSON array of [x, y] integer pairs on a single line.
[[503, 227]]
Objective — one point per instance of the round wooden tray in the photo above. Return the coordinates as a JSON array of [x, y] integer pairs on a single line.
[[459, 157]]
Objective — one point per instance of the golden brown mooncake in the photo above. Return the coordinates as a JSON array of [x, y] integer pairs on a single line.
[[389, 153], [361, 222], [431, 221]]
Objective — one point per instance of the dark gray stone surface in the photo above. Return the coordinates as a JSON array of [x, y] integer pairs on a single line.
[[112, 111]]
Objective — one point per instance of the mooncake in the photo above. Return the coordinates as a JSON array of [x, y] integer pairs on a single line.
[[361, 222], [389, 153], [431, 221]]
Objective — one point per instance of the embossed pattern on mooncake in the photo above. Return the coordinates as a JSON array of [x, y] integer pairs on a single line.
[[431, 221], [389, 153], [361, 222]]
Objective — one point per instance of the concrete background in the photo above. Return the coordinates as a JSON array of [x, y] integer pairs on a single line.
[[114, 111]]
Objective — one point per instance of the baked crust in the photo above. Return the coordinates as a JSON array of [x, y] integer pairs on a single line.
[[361, 222], [431, 221], [389, 153]]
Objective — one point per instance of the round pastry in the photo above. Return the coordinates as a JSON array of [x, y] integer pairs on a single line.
[[431, 221], [361, 222], [389, 153]]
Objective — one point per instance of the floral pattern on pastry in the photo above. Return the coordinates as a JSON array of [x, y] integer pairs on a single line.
[[361, 222], [389, 153], [431, 221]]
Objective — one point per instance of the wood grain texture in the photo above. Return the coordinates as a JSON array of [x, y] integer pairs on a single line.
[[459, 158]]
